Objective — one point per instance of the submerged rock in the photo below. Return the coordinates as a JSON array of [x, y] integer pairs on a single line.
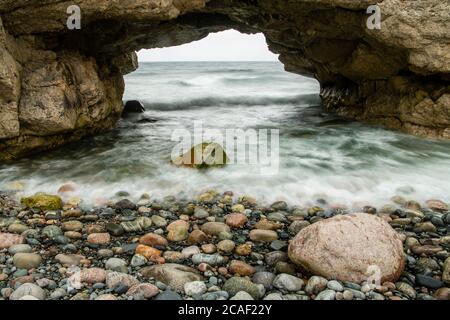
[[42, 201], [203, 155], [133, 106]]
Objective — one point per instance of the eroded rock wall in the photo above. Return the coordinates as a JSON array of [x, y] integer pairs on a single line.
[[58, 85]]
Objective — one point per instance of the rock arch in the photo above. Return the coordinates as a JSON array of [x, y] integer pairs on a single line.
[[58, 85]]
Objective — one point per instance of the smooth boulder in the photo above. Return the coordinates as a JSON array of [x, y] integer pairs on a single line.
[[354, 247]]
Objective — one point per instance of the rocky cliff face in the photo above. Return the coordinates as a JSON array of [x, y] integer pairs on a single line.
[[58, 85]]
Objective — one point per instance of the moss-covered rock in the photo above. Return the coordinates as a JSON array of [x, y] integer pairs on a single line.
[[42, 201], [203, 155]]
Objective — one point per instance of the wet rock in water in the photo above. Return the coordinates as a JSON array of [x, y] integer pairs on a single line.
[[237, 284], [195, 288], [437, 205], [287, 282], [159, 221], [259, 235], [28, 289], [173, 275], [241, 268], [214, 228], [351, 245], [125, 204], [27, 260], [42, 201], [279, 206], [9, 239], [203, 155], [133, 106]]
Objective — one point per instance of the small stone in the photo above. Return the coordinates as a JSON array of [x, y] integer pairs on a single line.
[[138, 225], [442, 294], [242, 295], [326, 295], [114, 279], [236, 284], [152, 239], [243, 249], [125, 204], [19, 248], [147, 290], [69, 260], [106, 297], [28, 289], [178, 231], [105, 253], [214, 228], [115, 229], [9, 239], [99, 238], [42, 201], [265, 224], [52, 232], [316, 284], [263, 235], [138, 260], [335, 286], [347, 295], [209, 248], [188, 252], [239, 208], [226, 246], [116, 264], [210, 259], [446, 271], [17, 228], [73, 225], [287, 282], [241, 268], [437, 205], [200, 213], [173, 275], [197, 236], [265, 278], [195, 288], [159, 221], [406, 289], [279, 205], [27, 260], [236, 220], [92, 275], [149, 253], [168, 295]]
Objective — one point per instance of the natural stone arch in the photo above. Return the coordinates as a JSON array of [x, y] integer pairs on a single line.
[[58, 85]]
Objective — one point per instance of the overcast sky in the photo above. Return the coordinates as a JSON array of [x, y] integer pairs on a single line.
[[228, 45]]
